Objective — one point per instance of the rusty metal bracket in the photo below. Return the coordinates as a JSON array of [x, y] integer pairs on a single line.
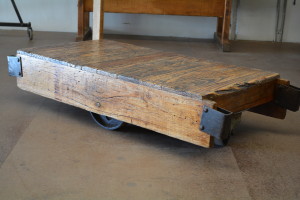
[[216, 123], [14, 66], [219, 123], [288, 97]]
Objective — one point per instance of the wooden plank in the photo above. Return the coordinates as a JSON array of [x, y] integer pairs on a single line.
[[226, 23], [88, 5], [187, 76], [213, 8], [98, 19], [81, 20], [272, 109], [236, 100], [168, 113]]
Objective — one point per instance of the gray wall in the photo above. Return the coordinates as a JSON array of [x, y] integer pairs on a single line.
[[256, 20], [292, 22], [45, 15]]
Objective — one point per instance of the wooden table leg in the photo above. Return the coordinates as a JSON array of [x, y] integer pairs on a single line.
[[84, 31], [223, 28], [98, 19], [80, 31], [87, 29]]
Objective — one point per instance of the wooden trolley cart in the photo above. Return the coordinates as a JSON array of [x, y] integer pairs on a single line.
[[183, 97]]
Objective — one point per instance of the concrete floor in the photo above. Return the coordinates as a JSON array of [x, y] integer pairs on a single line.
[[49, 150]]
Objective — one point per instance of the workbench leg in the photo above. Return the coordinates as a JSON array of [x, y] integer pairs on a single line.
[[223, 28], [98, 19], [87, 29], [80, 32], [84, 31]]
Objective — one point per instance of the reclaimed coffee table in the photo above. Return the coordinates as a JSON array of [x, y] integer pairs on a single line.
[[191, 99]]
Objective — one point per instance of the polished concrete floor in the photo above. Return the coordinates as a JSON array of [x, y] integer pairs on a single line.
[[49, 150]]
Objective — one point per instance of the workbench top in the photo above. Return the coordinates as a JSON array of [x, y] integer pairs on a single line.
[[188, 76]]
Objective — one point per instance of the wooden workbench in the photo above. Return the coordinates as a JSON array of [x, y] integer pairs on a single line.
[[161, 91], [211, 8]]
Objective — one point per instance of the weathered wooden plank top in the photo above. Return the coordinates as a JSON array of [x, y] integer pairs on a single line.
[[167, 71]]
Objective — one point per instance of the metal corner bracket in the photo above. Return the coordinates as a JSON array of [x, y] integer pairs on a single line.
[[14, 66], [218, 123]]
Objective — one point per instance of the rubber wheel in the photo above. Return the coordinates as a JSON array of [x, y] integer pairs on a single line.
[[30, 33], [106, 122]]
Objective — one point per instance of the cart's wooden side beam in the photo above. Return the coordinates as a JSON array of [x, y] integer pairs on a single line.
[[286, 97], [171, 114], [236, 99]]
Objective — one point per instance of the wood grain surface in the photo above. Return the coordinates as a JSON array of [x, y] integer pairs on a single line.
[[171, 114], [161, 91], [187, 76], [213, 8]]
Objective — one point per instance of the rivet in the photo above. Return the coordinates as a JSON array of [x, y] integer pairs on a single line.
[[97, 104], [205, 109], [201, 127]]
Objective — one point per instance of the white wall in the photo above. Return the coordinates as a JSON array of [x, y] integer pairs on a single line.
[[45, 15], [256, 20], [160, 25], [291, 31]]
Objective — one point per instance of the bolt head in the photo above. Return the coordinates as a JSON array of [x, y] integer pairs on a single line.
[[97, 104], [201, 127]]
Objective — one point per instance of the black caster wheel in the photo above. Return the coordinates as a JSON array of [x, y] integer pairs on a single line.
[[107, 123], [30, 33]]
